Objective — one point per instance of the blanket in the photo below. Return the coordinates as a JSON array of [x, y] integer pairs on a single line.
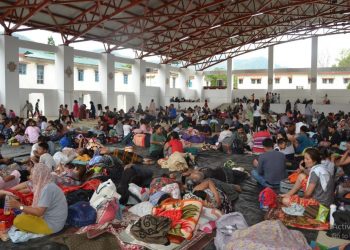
[[184, 215], [302, 222]]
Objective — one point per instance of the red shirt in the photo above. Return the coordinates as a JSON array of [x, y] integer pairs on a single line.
[[176, 146]]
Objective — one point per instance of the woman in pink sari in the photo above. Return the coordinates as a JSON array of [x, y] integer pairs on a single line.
[[76, 109]]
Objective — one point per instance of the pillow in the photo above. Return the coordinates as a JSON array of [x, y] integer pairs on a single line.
[[142, 209]]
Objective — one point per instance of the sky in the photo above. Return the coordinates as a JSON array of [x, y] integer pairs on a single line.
[[290, 55]]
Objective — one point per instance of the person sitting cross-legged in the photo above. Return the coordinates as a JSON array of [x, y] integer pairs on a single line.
[[270, 167]]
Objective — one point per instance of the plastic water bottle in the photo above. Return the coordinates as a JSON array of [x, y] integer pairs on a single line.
[[342, 207], [333, 208], [7, 209]]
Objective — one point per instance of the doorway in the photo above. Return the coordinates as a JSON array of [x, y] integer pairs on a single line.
[[34, 97]]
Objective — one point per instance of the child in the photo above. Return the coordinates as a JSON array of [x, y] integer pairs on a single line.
[[174, 144]]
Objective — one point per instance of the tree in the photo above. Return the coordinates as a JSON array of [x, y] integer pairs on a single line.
[[213, 79], [344, 60], [50, 41], [235, 82]]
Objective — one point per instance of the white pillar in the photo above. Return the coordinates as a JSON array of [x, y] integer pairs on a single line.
[[107, 75], [199, 83], [139, 81], [164, 83], [270, 70], [229, 81], [65, 75], [9, 77], [313, 73], [184, 77]]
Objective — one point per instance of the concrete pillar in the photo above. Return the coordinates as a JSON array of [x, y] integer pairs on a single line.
[[107, 75], [229, 81], [313, 73], [184, 77], [199, 83], [270, 70], [164, 83], [9, 77], [65, 75], [139, 81]]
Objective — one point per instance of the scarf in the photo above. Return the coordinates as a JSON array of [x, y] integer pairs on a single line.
[[41, 176], [322, 173]]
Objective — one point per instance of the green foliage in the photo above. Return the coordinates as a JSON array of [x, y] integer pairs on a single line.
[[50, 41], [348, 87], [235, 82], [344, 59], [215, 77], [126, 66]]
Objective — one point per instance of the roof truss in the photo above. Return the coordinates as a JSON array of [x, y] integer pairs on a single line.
[[193, 32]]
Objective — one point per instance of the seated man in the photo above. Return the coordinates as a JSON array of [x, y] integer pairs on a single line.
[[240, 140], [270, 166]]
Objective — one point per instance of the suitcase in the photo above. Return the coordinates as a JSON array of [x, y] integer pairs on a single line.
[[140, 140]]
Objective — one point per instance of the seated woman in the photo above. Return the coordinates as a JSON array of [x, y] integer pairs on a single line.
[[157, 142], [316, 181], [174, 144], [49, 210], [225, 139]]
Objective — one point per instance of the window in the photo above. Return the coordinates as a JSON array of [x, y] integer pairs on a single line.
[[125, 78], [97, 76], [290, 80], [240, 81], [22, 69], [190, 83], [346, 80], [327, 80], [80, 75], [253, 80], [40, 74], [277, 80], [174, 81]]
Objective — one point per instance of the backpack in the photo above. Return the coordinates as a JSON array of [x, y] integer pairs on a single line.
[[78, 195], [341, 225], [81, 214]]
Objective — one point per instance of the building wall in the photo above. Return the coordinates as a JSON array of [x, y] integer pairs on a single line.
[[29, 80], [119, 83], [89, 82]]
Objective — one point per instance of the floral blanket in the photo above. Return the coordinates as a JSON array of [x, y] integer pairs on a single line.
[[296, 221], [184, 215]]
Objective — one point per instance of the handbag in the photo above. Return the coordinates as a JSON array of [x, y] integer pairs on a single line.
[[106, 191]]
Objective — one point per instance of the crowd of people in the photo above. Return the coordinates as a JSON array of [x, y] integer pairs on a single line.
[[312, 147]]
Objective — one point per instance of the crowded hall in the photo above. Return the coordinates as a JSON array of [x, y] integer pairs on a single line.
[[137, 125]]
